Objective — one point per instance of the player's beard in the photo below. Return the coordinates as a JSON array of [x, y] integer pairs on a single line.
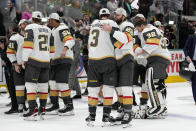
[[119, 21]]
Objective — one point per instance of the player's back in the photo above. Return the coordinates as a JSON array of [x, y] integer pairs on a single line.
[[151, 42], [100, 45], [38, 35], [61, 35]]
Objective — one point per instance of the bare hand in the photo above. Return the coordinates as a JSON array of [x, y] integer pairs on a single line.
[[106, 27], [188, 59], [24, 64], [63, 54], [17, 68], [139, 52]]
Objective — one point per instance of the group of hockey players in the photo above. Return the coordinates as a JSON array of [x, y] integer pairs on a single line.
[[39, 54], [42, 58], [113, 47]]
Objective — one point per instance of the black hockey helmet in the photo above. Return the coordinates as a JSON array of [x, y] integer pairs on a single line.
[[185, 73]]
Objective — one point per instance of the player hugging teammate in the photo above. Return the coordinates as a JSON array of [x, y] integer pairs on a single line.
[[111, 45], [47, 54]]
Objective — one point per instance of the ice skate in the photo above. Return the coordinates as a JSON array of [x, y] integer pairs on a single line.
[[126, 121], [42, 113], [90, 120], [22, 109], [53, 109], [31, 115], [66, 111], [108, 121]]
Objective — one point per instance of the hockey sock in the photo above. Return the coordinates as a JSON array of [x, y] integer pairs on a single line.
[[43, 93], [107, 110], [20, 94], [54, 100], [92, 110], [144, 93]]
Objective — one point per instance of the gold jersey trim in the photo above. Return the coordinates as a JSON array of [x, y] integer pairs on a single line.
[[63, 57], [38, 60], [124, 56], [159, 56], [100, 58]]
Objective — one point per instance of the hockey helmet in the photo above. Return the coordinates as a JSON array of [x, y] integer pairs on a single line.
[[104, 11], [37, 15]]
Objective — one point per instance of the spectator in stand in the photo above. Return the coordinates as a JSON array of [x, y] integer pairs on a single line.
[[112, 5], [144, 7], [9, 14], [169, 34], [60, 12], [2, 27], [86, 28], [158, 8], [127, 7]]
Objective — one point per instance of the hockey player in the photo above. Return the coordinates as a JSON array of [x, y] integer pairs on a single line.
[[158, 58], [101, 68], [140, 67], [60, 65], [36, 62], [125, 63], [14, 53]]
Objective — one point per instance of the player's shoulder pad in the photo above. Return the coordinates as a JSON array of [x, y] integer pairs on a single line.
[[149, 29], [63, 26], [150, 32], [127, 27], [31, 26], [14, 37], [113, 23], [95, 21], [127, 23]]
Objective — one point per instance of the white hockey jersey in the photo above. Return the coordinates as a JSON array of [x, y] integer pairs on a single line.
[[62, 37], [14, 49], [151, 43], [124, 38], [36, 47], [99, 42], [137, 38]]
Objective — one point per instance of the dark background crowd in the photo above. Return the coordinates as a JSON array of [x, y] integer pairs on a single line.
[[78, 14]]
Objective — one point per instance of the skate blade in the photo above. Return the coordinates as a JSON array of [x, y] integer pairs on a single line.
[[117, 123], [127, 125], [156, 117], [54, 112], [31, 118], [70, 113], [91, 124], [107, 124], [42, 117]]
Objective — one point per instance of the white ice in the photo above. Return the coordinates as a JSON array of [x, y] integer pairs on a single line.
[[181, 116]]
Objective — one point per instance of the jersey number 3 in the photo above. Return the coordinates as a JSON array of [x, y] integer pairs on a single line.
[[43, 42], [94, 41]]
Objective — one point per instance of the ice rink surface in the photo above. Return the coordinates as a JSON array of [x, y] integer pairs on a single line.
[[181, 116]]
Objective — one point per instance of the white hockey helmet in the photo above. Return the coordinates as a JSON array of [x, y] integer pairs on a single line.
[[54, 16], [157, 23], [22, 21], [104, 11], [140, 16], [37, 15], [121, 11]]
